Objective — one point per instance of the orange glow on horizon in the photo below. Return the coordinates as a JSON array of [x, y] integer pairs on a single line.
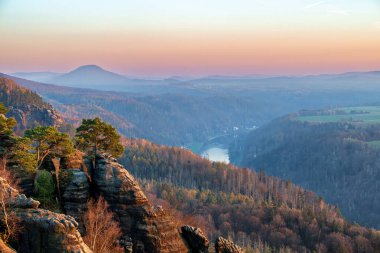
[[165, 53], [195, 37]]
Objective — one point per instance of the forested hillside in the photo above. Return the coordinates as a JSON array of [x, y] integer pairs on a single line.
[[26, 106], [332, 152], [242, 204]]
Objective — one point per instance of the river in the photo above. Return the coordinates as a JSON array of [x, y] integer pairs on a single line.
[[216, 154]]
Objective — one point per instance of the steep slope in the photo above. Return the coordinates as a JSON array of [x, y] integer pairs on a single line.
[[334, 153], [257, 211], [27, 107], [150, 228]]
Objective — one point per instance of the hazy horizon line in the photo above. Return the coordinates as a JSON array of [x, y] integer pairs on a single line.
[[195, 76]]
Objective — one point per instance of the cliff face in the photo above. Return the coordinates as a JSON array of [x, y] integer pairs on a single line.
[[46, 231], [76, 195], [42, 231], [27, 107], [30, 116], [150, 229]]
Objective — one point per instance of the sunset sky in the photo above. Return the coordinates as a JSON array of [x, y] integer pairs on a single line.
[[191, 37]]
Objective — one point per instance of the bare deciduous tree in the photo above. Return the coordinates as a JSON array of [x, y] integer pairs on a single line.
[[102, 230], [9, 222]]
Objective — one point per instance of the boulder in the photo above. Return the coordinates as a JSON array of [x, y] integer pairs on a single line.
[[226, 246], [45, 231], [150, 229], [195, 238], [21, 201]]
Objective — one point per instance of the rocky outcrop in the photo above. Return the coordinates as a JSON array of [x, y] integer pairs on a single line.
[[27, 107], [21, 201], [30, 116], [45, 231], [226, 246], [195, 238], [150, 229], [75, 195], [42, 230]]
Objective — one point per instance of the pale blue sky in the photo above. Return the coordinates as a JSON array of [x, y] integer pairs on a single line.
[[181, 14]]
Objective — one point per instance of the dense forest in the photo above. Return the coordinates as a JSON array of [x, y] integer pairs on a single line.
[[241, 204], [338, 159], [11, 94]]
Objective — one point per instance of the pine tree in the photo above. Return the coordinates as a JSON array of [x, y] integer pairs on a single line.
[[49, 141], [95, 135], [44, 187], [7, 140]]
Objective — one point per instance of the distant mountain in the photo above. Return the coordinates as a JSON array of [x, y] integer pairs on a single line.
[[332, 82], [95, 77], [88, 76]]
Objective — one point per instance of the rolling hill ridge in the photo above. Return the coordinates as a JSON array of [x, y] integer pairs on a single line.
[[333, 152]]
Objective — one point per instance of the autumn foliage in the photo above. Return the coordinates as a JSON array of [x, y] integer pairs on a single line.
[[102, 230], [258, 212]]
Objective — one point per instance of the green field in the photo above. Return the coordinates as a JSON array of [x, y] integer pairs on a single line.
[[365, 114], [374, 144]]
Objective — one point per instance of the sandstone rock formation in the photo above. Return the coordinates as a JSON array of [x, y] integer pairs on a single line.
[[42, 230], [45, 231], [75, 196], [195, 238], [31, 115], [226, 246], [151, 230]]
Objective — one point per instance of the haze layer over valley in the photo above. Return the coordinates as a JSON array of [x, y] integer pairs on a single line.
[[196, 113]]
